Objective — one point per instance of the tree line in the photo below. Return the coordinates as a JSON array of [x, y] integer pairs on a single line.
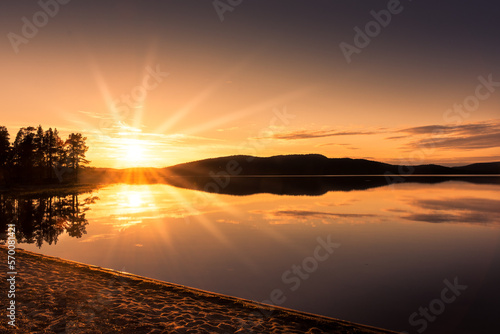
[[38, 156]]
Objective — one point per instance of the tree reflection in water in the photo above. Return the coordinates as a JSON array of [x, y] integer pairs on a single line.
[[40, 218]]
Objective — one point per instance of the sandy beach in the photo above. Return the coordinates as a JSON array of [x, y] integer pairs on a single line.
[[59, 296]]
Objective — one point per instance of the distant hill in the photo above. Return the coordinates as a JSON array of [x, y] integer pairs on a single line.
[[316, 164], [480, 168]]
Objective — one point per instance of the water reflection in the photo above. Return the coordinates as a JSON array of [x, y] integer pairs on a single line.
[[128, 205], [457, 210], [311, 186], [44, 218], [392, 259]]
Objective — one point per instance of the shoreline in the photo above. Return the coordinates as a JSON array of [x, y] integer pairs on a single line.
[[56, 295]]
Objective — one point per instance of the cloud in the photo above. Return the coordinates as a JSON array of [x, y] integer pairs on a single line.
[[458, 210], [472, 142], [471, 136], [347, 201], [463, 204], [309, 134], [397, 137], [302, 214], [463, 217], [96, 114], [108, 138], [397, 210], [228, 129], [347, 146], [464, 129], [98, 237]]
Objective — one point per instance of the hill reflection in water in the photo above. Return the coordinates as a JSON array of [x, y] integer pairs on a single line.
[[308, 185]]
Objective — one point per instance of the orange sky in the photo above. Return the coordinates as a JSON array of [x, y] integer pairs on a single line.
[[158, 84]]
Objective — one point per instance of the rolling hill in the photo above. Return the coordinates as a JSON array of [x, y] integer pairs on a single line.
[[316, 164]]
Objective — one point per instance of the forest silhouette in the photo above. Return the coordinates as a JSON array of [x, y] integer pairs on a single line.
[[37, 156]]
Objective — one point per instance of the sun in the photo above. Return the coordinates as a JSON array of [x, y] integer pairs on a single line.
[[135, 154], [132, 152]]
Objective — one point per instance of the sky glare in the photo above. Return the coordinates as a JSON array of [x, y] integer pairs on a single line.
[[155, 83]]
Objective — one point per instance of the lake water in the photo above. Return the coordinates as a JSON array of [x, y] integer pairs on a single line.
[[410, 257]]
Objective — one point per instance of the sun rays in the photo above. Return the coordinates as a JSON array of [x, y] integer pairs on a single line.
[[119, 138]]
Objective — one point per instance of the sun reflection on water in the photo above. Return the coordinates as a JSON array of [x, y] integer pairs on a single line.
[[134, 204], [129, 205], [133, 199]]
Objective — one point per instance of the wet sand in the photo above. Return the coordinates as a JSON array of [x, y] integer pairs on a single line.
[[59, 296]]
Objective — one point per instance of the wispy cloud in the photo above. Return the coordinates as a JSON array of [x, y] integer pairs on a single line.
[[96, 114], [98, 237], [472, 142], [457, 210], [464, 129], [471, 136], [463, 204], [228, 129], [303, 214], [347, 146], [344, 202], [397, 137], [309, 134]]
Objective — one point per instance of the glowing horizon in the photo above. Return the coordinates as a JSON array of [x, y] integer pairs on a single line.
[[158, 94]]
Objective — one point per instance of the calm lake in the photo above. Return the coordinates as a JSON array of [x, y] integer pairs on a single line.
[[409, 257]]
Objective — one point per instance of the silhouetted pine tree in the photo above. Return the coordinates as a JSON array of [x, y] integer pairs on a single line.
[[76, 150]]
